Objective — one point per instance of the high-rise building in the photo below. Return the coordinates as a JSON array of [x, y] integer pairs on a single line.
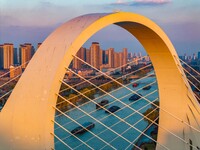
[[185, 57], [32, 51], [38, 45], [130, 55], [15, 71], [199, 55], [8, 54], [120, 59], [30, 48], [125, 56], [77, 64], [111, 57], [1, 56], [94, 51], [194, 57], [100, 57], [116, 60], [16, 56], [106, 57], [25, 54], [88, 57]]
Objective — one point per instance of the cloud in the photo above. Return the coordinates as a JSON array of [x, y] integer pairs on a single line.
[[141, 2], [46, 4], [150, 2]]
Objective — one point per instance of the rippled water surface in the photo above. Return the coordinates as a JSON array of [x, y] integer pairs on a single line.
[[110, 131]]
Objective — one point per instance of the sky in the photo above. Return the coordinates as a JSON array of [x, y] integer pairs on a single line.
[[33, 20]]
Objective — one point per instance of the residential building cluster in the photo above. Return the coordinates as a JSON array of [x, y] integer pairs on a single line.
[[15, 59], [99, 58]]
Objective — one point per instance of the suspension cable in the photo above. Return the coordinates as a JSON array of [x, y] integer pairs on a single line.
[[134, 109], [81, 124], [197, 96], [187, 80], [14, 69], [110, 82], [124, 118], [10, 80], [114, 102], [144, 130], [113, 113], [71, 133], [6, 94], [106, 94], [109, 72], [98, 120], [182, 121], [131, 107], [194, 85], [191, 75], [118, 123], [121, 118], [54, 135], [189, 67], [129, 128]]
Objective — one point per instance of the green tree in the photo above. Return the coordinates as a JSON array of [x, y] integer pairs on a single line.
[[152, 114], [107, 87], [88, 92], [156, 103], [73, 98]]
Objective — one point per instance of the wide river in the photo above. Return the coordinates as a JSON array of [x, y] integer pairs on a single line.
[[110, 131]]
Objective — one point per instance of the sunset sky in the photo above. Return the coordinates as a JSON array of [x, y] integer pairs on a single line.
[[33, 20]]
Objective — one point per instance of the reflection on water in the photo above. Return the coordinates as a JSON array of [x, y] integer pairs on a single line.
[[123, 134]]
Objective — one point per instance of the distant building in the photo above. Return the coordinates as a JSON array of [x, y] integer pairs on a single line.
[[185, 57], [88, 56], [106, 57], [111, 57], [130, 55], [125, 56], [1, 56], [26, 52], [100, 57], [194, 57], [15, 71], [7, 53], [116, 60], [199, 55], [16, 59], [77, 64], [38, 45], [120, 59], [94, 54]]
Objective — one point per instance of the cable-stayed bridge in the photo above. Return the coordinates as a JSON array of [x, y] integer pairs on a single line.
[[40, 114]]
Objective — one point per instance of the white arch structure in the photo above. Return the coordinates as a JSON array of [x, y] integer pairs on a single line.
[[25, 121]]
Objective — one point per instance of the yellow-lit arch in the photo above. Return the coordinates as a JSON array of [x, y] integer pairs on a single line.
[[25, 121]]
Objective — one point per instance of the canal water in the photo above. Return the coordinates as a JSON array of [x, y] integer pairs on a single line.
[[120, 135]]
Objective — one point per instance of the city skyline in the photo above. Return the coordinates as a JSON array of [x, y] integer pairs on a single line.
[[100, 58], [11, 55], [21, 25]]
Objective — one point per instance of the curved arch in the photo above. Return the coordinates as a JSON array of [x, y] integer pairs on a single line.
[[25, 120]]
